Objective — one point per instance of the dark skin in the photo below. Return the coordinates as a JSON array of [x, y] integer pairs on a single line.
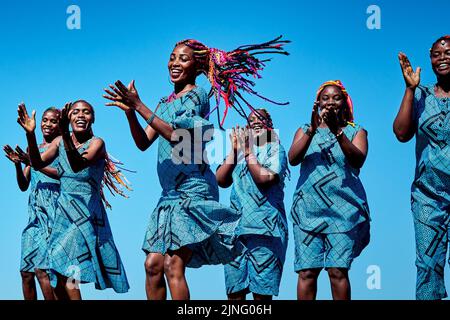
[[404, 126], [242, 141], [183, 72], [331, 103], [50, 130], [80, 116]]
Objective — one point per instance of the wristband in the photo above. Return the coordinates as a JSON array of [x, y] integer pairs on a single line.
[[151, 118], [338, 135]]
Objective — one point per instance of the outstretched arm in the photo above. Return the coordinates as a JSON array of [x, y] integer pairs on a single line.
[[404, 126], [38, 160], [129, 97], [22, 176]]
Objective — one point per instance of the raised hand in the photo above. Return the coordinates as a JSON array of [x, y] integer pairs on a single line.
[[235, 139], [11, 154], [246, 139], [316, 120], [126, 98], [64, 119], [412, 79], [29, 124], [330, 117], [23, 156]]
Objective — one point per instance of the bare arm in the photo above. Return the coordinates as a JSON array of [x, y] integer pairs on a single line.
[[224, 174], [404, 126], [22, 176], [299, 146], [355, 151]]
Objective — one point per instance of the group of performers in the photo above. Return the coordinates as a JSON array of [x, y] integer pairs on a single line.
[[68, 238]]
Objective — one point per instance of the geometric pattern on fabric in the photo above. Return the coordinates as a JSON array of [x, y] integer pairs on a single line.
[[82, 244], [258, 269], [44, 192], [329, 250], [430, 191], [262, 209], [188, 213], [329, 191]]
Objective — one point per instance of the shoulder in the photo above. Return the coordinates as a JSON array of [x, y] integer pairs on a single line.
[[56, 142]]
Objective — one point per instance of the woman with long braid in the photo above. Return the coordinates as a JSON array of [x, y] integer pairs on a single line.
[[189, 227]]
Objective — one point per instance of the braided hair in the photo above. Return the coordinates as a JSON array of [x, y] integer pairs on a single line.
[[229, 72]]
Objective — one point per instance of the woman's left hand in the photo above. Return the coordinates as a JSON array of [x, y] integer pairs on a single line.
[[122, 96], [331, 119], [64, 120], [23, 156]]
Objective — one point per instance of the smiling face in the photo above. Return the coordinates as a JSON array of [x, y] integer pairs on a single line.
[[182, 66], [440, 58], [50, 124], [81, 116]]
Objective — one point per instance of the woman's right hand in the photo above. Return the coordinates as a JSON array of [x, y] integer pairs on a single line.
[[23, 156], [412, 79], [11, 154], [235, 139], [29, 124], [126, 98], [316, 120]]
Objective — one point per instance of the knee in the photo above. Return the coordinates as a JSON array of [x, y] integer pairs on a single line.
[[27, 276], [41, 274], [308, 275], [172, 269], [337, 274], [154, 265]]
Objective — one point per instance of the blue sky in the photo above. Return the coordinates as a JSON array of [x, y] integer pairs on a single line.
[[45, 64]]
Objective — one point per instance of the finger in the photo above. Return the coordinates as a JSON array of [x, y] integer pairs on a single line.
[[121, 86], [110, 98], [418, 70], [117, 91], [112, 94], [33, 115], [131, 85]]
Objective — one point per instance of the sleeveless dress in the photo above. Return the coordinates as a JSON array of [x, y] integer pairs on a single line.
[[263, 226], [329, 204], [430, 191], [44, 192], [82, 245], [188, 213]]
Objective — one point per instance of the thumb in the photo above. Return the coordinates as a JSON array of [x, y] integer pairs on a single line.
[[33, 115], [418, 70], [132, 85]]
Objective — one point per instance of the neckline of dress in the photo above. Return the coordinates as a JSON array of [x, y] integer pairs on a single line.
[[173, 94]]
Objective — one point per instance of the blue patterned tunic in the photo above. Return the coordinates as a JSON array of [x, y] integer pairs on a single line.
[[44, 192], [82, 245], [329, 196], [188, 212], [430, 198]]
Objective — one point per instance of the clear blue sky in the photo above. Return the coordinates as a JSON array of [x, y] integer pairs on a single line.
[[45, 64]]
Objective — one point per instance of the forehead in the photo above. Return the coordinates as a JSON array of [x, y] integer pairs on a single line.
[[258, 114], [441, 45], [50, 114], [81, 106], [330, 90], [182, 49]]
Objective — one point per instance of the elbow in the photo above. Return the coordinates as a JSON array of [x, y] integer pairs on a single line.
[[402, 137], [293, 162], [223, 183]]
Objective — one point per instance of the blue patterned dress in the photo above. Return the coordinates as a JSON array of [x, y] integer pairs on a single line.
[[330, 211], [82, 245], [188, 213], [44, 192], [430, 198], [263, 226]]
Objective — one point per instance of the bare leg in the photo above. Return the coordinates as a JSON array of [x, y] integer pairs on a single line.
[[307, 284], [340, 283], [60, 291], [28, 285], [241, 295], [72, 289], [44, 282], [261, 297], [155, 285], [174, 269]]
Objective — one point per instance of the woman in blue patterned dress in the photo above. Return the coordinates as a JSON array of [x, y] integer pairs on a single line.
[[256, 167], [189, 227], [44, 192], [425, 113], [330, 211], [82, 248]]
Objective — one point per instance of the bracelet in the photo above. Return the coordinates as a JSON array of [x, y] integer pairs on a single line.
[[150, 119], [309, 132], [339, 134]]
